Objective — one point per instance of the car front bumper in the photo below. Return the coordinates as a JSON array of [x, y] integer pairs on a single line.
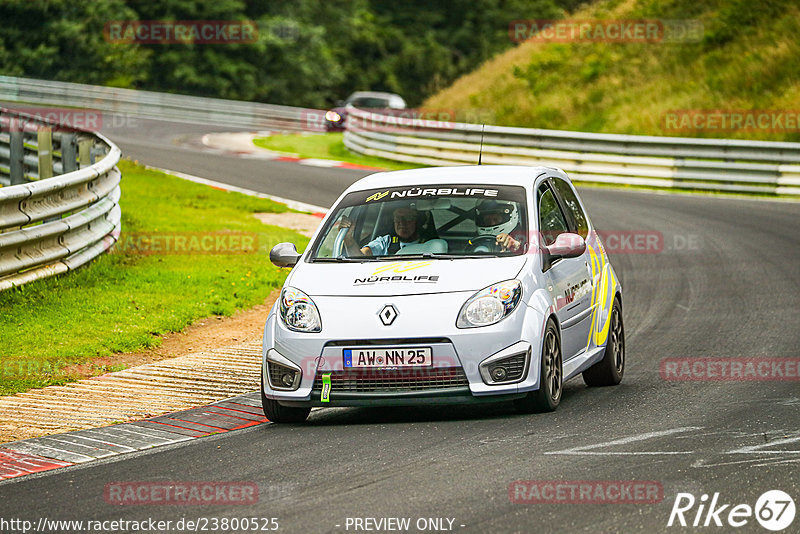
[[422, 321]]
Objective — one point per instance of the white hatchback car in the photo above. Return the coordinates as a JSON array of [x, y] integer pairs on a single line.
[[444, 285]]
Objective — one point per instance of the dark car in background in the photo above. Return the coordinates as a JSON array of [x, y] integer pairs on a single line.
[[336, 118]]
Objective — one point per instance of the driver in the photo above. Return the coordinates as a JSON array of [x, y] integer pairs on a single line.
[[406, 232], [498, 218]]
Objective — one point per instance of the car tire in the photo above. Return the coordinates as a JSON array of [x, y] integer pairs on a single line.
[[609, 370], [548, 396], [281, 414]]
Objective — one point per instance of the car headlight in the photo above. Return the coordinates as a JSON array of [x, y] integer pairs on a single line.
[[333, 116], [490, 305], [299, 312]]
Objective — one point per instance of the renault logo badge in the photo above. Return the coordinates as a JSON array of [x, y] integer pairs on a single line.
[[387, 314]]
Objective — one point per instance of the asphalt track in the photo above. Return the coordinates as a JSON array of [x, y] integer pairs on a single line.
[[726, 283]]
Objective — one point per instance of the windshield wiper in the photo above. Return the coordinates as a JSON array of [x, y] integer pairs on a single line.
[[447, 256], [340, 259], [433, 256], [400, 257], [396, 257]]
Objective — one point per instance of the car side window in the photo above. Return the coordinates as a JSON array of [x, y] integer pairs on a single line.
[[572, 204], [551, 221], [325, 249]]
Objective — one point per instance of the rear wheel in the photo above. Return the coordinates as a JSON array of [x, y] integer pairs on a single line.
[[548, 396], [281, 414], [609, 370]]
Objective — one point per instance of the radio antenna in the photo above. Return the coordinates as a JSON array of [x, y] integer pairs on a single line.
[[480, 152]]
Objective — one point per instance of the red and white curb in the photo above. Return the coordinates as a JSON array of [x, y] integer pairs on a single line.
[[36, 455], [330, 163], [16, 464], [241, 144]]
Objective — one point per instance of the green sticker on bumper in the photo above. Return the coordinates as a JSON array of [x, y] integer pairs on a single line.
[[325, 396]]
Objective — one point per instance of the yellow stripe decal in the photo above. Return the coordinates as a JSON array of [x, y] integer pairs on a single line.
[[602, 335], [401, 267], [595, 290]]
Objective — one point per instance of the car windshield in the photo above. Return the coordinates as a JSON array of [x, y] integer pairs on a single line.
[[430, 221]]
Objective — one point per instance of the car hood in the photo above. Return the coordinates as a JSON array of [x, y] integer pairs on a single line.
[[382, 278]]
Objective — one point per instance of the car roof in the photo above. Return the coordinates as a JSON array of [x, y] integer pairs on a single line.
[[468, 174], [393, 99], [372, 94]]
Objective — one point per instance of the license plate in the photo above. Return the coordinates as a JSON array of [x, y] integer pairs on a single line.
[[388, 357]]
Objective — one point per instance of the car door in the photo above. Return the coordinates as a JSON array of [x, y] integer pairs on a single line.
[[568, 279], [578, 224]]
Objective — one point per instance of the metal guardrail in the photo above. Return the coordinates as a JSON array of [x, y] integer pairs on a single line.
[[661, 162], [59, 208], [153, 105]]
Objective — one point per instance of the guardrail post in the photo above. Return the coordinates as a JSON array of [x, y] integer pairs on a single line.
[[69, 156], [17, 155], [84, 152], [45, 144]]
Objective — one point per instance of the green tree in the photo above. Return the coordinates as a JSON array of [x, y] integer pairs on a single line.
[[308, 52], [64, 40]]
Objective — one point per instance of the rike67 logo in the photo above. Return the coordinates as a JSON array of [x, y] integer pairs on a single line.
[[774, 510]]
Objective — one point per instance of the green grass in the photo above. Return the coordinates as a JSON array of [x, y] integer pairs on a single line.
[[326, 146], [747, 58], [125, 301]]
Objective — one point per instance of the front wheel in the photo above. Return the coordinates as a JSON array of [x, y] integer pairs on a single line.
[[281, 414], [609, 370], [548, 396]]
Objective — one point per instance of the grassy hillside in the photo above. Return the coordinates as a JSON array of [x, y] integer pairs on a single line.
[[748, 58]]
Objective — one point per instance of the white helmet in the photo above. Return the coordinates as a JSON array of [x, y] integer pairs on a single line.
[[496, 217]]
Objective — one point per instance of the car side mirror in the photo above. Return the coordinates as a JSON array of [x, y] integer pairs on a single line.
[[284, 255], [567, 245]]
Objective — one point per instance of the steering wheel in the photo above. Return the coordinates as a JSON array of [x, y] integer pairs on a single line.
[[338, 243], [485, 243]]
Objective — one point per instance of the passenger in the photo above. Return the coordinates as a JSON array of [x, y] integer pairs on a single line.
[[406, 232]]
